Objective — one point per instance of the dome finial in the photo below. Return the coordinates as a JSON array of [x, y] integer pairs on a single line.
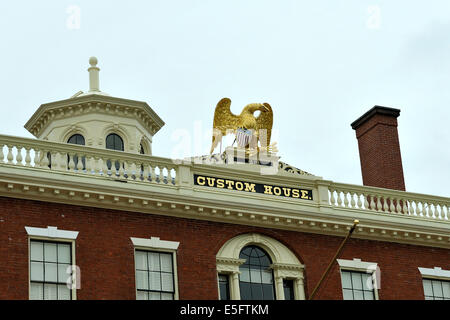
[[93, 75], [93, 61]]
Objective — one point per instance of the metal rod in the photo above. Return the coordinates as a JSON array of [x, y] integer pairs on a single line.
[[355, 222]]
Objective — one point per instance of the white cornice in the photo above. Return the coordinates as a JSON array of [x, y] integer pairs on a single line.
[[94, 103], [216, 205]]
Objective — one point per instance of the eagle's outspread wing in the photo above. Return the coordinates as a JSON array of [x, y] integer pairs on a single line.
[[224, 122], [264, 124]]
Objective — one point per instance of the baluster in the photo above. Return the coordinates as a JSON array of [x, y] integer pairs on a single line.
[[175, 182], [169, 175], [425, 209], [373, 206], [133, 171], [37, 158], [105, 166], [19, 157], [61, 161], [339, 200], [27, 157], [45, 162], [127, 170], [71, 161], [2, 155], [332, 199], [145, 172], [152, 174], [10, 156], [412, 212], [398, 207], [158, 175], [77, 165], [90, 165], [405, 206], [121, 168], [352, 200], [438, 212], [385, 205], [420, 210], [366, 201], [97, 166], [430, 211], [358, 203], [379, 207], [391, 206]]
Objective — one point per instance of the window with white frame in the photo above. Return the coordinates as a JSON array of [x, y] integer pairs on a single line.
[[436, 283], [224, 286], [259, 267], [154, 275], [256, 275], [51, 264], [359, 279], [357, 285], [155, 268]]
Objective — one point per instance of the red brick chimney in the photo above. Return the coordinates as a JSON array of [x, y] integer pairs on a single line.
[[379, 148]]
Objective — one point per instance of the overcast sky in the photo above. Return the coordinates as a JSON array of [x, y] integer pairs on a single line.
[[320, 64]]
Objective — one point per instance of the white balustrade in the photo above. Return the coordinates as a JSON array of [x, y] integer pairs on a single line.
[[386, 201], [117, 165], [17, 151]]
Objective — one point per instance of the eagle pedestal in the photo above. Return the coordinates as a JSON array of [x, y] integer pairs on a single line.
[[235, 155]]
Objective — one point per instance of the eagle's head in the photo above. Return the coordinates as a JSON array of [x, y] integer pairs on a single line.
[[253, 107]]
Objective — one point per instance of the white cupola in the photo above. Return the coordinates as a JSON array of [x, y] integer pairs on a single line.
[[97, 119]]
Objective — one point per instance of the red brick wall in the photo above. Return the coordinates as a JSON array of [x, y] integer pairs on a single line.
[[104, 252], [379, 153]]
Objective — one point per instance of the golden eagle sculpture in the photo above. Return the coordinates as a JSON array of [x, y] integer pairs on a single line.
[[257, 128]]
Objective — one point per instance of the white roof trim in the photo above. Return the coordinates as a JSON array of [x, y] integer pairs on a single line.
[[436, 272], [155, 243], [357, 264], [51, 232]]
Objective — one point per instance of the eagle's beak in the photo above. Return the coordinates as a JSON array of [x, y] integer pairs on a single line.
[[264, 108]]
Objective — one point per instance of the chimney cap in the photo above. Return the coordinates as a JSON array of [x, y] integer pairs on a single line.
[[375, 110]]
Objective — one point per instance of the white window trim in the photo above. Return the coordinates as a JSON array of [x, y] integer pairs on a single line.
[[155, 244], [53, 234], [285, 264], [362, 266], [435, 273]]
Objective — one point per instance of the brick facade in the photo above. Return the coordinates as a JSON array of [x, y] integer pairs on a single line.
[[104, 252]]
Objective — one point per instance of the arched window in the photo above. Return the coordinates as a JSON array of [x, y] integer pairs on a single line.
[[141, 149], [256, 278], [77, 139], [254, 266], [114, 142]]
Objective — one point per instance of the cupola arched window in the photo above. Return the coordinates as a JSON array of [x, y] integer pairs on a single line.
[[256, 278], [77, 139], [114, 142]]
